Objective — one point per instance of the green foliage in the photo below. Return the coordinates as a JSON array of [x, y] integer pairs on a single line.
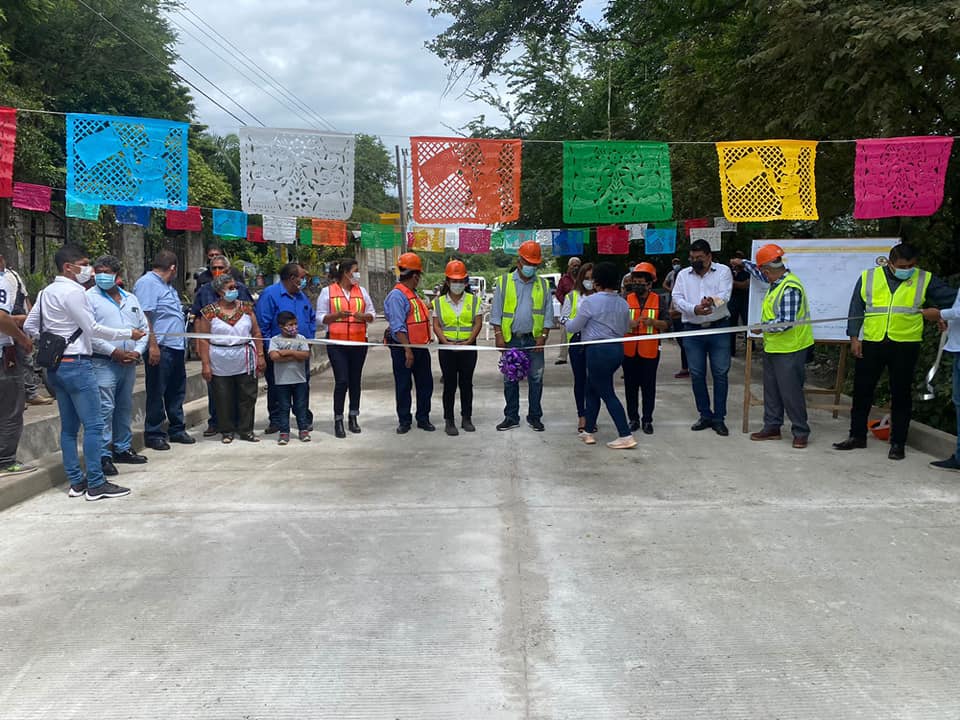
[[205, 186]]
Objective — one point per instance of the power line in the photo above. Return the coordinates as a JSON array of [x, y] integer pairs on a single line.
[[257, 68], [178, 75], [242, 73]]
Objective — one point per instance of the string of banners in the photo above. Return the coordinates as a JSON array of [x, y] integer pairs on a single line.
[[138, 165]]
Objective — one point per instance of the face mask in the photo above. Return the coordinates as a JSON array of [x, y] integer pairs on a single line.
[[85, 273], [458, 288], [588, 285], [289, 331], [903, 274], [303, 283], [355, 277], [698, 265], [105, 281], [677, 268], [231, 295], [217, 272], [528, 270]]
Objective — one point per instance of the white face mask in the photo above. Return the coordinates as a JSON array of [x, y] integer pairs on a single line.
[[355, 277], [588, 284], [458, 288], [84, 274]]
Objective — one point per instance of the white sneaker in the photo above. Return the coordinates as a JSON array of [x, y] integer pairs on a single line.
[[622, 443], [588, 439]]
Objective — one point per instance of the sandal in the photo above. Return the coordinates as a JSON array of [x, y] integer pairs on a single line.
[[249, 437], [227, 438]]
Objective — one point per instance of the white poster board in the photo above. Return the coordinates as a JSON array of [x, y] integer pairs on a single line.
[[829, 270]]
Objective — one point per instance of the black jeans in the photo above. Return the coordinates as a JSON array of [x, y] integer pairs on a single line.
[[456, 367], [578, 364], [900, 359], [347, 363], [297, 397], [403, 379], [640, 378], [273, 400], [166, 389]]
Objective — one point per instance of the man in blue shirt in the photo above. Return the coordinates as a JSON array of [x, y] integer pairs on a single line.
[[287, 294], [115, 362], [166, 372]]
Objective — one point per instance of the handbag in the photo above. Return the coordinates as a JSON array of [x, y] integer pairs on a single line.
[[50, 346]]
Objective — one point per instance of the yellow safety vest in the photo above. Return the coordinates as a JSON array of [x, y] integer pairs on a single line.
[[456, 326], [896, 315], [799, 337], [509, 291], [574, 301]]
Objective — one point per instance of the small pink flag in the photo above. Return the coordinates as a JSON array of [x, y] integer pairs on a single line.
[[474, 241], [613, 240], [31, 197], [255, 234], [900, 176], [189, 219], [8, 142], [688, 225]]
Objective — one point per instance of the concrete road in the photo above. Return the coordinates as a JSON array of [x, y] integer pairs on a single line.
[[494, 575]]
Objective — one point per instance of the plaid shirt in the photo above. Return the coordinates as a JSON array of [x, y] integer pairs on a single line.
[[789, 306]]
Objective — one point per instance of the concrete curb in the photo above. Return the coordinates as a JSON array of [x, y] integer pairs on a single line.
[[50, 472]]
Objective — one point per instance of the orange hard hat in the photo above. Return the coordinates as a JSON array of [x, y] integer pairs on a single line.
[[530, 252], [880, 428], [769, 253], [456, 270], [647, 268], [410, 261]]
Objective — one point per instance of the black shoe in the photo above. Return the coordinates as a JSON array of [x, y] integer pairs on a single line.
[[77, 490], [353, 424], [850, 443], [949, 464], [508, 424], [467, 425], [702, 424], [211, 431], [426, 425], [648, 428], [536, 424], [721, 429], [634, 425], [157, 444], [403, 428], [897, 452], [183, 439], [129, 457], [109, 469], [560, 362], [450, 428], [271, 429], [107, 490], [338, 429]]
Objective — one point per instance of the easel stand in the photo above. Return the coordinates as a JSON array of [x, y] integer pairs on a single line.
[[837, 389]]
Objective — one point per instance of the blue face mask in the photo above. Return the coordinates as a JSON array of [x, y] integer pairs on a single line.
[[528, 270], [231, 295], [903, 274], [105, 281], [303, 283]]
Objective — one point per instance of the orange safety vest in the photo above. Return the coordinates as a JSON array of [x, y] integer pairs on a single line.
[[651, 309], [348, 329], [418, 323]]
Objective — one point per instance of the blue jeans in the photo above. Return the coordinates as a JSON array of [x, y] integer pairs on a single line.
[[273, 398], [602, 362], [78, 398], [166, 389], [116, 403], [296, 396], [511, 390], [717, 348], [403, 379], [956, 396], [578, 364]]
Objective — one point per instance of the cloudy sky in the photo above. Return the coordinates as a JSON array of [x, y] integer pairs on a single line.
[[361, 65]]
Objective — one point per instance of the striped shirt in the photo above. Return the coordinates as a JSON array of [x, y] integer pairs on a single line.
[[789, 306]]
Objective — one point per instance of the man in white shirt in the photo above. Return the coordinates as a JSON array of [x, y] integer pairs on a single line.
[[12, 396], [63, 309], [115, 363], [701, 293]]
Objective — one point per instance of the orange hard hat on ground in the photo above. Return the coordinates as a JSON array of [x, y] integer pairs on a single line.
[[645, 267], [410, 261], [530, 252], [456, 270], [880, 428], [769, 253]]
